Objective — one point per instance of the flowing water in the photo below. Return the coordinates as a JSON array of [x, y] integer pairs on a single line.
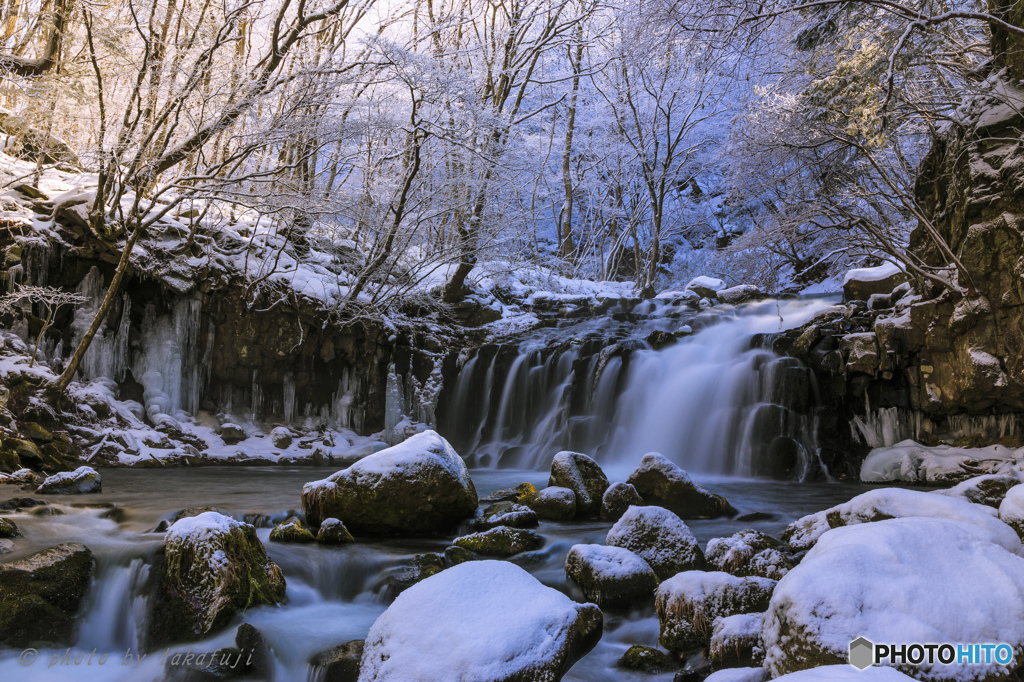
[[334, 593], [710, 402]]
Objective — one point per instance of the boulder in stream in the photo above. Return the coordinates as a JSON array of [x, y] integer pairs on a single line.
[[660, 538], [663, 483], [617, 499], [41, 593], [553, 503], [291, 531], [82, 480], [610, 576], [510, 514], [749, 553], [583, 476], [338, 664], [688, 603], [481, 620], [333, 532], [418, 487], [8, 529], [501, 541], [736, 640], [214, 567]]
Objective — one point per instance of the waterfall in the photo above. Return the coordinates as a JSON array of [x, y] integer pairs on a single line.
[[710, 401]]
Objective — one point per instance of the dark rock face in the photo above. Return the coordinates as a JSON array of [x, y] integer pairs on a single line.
[[40, 594], [340, 663], [661, 482]]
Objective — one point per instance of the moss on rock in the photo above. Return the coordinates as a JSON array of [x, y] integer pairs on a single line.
[[502, 541], [291, 531]]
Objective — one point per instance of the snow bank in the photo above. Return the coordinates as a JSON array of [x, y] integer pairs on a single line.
[[890, 503], [897, 581], [1011, 509], [875, 274], [912, 462], [458, 625]]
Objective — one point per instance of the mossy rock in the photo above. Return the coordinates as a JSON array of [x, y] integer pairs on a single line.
[[42, 593], [647, 659], [189, 512], [35, 432], [9, 461], [510, 514], [333, 532], [213, 568], [517, 494], [502, 541], [291, 531], [8, 529]]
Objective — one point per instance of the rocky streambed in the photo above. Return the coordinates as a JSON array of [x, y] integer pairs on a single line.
[[580, 572]]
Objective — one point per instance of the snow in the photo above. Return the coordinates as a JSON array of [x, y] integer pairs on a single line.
[[608, 562], [456, 625], [1011, 509], [201, 528], [714, 589], [740, 625], [738, 675], [704, 282], [874, 274], [898, 581], [888, 503], [410, 453], [657, 536], [912, 462], [84, 478]]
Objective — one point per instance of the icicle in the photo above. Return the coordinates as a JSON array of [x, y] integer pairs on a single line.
[[288, 389]]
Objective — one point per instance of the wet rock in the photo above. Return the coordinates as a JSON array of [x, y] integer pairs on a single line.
[[333, 532], [617, 499], [48, 511], [446, 628], [553, 503], [661, 482], [419, 567], [583, 476], [660, 538], [21, 477], [420, 486], [214, 568], [256, 653], [659, 339], [736, 640], [82, 480], [749, 553], [508, 514], [989, 490], [517, 494], [291, 531], [8, 529], [501, 541], [281, 437], [41, 593], [610, 576], [647, 659], [454, 556], [340, 663], [22, 503], [688, 603]]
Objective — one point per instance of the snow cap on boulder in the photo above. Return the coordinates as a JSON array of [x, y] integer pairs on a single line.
[[419, 486], [82, 480]]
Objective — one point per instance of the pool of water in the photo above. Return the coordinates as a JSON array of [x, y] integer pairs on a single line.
[[334, 593]]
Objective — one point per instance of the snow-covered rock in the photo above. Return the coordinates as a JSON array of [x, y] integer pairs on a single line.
[[419, 486], [617, 499], [583, 476], [20, 477], [661, 482], [1011, 509], [859, 284], [988, 490], [688, 603], [897, 581], [333, 532], [912, 462], [291, 530], [610, 576], [890, 503], [82, 480], [706, 287], [501, 541], [660, 538], [232, 433], [738, 294], [215, 567], [553, 503], [738, 675], [457, 626], [748, 552], [735, 638], [281, 437]]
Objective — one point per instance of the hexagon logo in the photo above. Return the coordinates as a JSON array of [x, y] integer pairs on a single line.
[[862, 653]]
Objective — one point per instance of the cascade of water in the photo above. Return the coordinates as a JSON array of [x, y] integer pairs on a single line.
[[709, 402], [116, 609]]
